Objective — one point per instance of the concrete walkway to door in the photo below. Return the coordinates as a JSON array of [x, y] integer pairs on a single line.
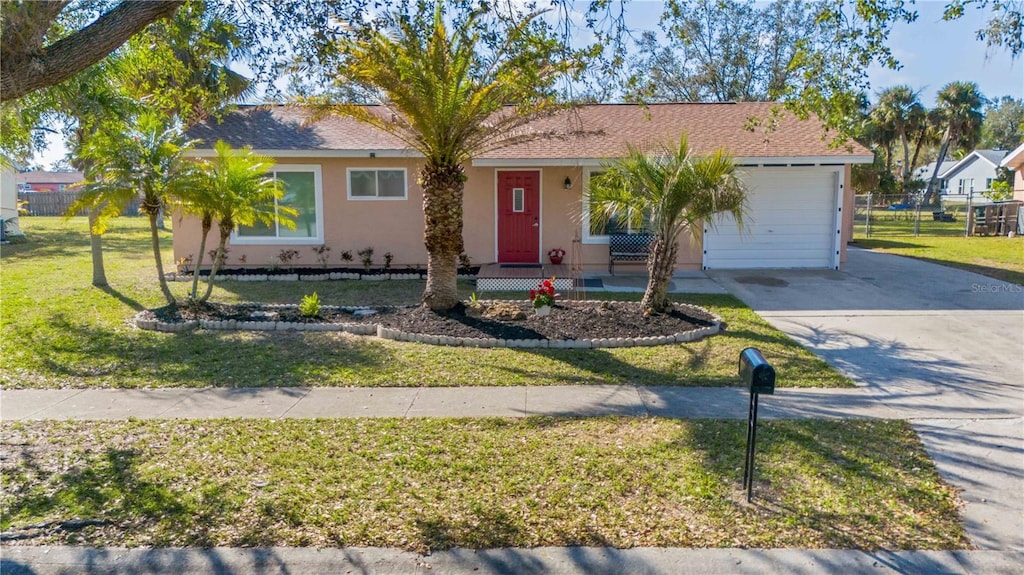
[[941, 346]]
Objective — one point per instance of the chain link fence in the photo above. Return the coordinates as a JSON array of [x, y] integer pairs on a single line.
[[877, 216]]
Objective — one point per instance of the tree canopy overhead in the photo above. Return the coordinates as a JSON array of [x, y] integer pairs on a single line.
[[32, 59]]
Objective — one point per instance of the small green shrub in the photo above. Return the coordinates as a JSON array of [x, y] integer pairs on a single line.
[[310, 305]]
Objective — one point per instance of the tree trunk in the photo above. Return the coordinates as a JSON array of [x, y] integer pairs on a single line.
[[933, 181], [442, 290], [34, 66], [207, 224], [442, 232], [217, 258], [660, 265], [155, 236], [99, 273]]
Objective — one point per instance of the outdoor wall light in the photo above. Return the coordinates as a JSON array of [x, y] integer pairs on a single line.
[[568, 183]]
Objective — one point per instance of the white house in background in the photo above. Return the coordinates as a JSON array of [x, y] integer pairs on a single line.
[[973, 175], [924, 173], [8, 198]]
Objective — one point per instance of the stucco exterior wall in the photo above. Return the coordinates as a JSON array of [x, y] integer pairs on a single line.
[[397, 225]]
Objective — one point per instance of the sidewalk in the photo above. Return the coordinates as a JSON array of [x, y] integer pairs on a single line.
[[578, 400], [542, 560]]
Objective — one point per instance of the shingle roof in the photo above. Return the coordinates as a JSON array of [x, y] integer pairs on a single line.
[[40, 177], [594, 131], [994, 156]]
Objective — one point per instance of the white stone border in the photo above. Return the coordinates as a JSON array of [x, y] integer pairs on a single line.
[[717, 326]]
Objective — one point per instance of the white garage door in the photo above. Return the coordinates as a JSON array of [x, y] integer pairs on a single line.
[[791, 222]]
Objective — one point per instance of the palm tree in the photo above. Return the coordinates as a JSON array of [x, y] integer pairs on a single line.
[[960, 110], [667, 193], [139, 156], [900, 119], [236, 189], [182, 63], [448, 99]]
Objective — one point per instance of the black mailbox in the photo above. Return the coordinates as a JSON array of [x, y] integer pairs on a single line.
[[757, 374]]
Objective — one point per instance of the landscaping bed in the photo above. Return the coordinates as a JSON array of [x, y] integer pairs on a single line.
[[507, 320], [60, 332], [426, 484]]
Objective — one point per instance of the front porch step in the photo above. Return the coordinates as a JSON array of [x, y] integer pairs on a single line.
[[494, 277]]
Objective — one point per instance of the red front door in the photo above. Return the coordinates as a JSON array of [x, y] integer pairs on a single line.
[[519, 217]]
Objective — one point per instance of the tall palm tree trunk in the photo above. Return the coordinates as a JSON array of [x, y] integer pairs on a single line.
[[99, 273], [442, 232], [660, 265], [155, 237], [934, 180], [207, 224]]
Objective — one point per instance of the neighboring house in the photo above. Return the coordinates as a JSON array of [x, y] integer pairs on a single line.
[[1015, 161], [973, 175], [8, 199], [924, 173], [47, 181], [355, 187]]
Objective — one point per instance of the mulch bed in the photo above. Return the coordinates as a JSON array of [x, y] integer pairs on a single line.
[[567, 320]]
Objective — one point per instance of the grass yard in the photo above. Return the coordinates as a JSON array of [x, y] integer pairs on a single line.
[[996, 257], [943, 243], [480, 483], [59, 331]]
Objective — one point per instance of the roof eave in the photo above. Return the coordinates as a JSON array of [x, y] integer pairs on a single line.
[[1014, 158], [741, 160]]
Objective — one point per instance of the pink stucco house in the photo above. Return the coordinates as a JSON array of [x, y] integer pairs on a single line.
[[1015, 161], [355, 187]]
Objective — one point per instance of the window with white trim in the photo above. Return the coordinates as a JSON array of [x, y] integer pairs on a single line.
[[596, 231], [962, 188], [988, 183], [376, 184], [303, 191]]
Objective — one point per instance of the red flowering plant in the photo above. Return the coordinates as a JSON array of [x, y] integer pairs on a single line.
[[544, 294]]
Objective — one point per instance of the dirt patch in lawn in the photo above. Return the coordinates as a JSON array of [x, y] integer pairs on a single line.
[[499, 320]]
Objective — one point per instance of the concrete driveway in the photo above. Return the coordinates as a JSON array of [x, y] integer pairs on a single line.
[[939, 346]]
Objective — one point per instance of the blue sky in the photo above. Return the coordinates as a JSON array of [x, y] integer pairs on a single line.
[[933, 53]]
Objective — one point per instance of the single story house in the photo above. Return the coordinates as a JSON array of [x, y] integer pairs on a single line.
[[973, 175], [40, 181], [355, 187], [1015, 161]]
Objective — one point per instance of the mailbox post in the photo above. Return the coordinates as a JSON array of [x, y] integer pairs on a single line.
[[759, 377]]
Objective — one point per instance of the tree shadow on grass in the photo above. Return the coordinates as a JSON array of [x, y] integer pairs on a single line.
[[850, 457], [601, 366], [203, 358], [109, 290]]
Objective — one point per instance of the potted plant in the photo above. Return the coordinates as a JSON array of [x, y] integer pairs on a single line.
[[543, 297], [556, 255]]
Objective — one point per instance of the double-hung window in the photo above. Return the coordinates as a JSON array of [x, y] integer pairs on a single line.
[[303, 191], [377, 184], [596, 229]]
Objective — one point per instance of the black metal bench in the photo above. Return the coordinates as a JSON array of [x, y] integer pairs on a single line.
[[628, 248]]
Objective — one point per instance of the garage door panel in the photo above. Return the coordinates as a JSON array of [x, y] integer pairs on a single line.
[[790, 222]]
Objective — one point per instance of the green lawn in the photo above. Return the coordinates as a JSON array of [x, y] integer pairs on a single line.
[[59, 331], [479, 483], [1000, 258]]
